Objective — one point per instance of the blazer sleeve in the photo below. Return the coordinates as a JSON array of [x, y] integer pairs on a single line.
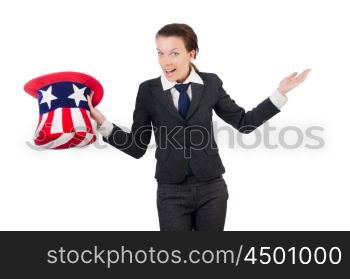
[[135, 142], [233, 114]]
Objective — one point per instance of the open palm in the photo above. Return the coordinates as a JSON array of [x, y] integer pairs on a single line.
[[292, 81]]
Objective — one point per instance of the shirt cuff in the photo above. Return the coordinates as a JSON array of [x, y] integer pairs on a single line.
[[105, 129], [278, 99]]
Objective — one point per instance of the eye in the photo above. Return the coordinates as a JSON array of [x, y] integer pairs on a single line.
[[175, 53]]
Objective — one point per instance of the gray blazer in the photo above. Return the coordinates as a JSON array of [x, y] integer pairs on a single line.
[[185, 141]]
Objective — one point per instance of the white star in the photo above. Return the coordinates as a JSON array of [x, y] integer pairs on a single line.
[[78, 95], [47, 96]]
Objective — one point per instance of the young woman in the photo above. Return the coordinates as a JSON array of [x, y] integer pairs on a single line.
[[177, 106]]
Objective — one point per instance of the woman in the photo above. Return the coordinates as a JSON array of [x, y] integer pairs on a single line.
[[177, 106]]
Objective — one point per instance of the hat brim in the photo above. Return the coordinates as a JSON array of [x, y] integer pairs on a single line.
[[33, 86]]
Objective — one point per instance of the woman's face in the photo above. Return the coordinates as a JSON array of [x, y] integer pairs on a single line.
[[173, 57]]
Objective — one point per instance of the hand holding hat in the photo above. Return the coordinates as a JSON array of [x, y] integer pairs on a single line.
[[94, 112]]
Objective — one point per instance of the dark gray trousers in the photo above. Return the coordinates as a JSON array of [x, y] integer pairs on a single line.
[[192, 205]]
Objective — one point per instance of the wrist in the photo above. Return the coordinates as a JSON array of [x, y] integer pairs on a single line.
[[100, 122], [283, 92]]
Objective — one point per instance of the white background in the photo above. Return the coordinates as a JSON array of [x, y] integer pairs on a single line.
[[251, 45]]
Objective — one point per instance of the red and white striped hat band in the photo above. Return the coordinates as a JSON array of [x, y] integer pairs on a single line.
[[64, 118]]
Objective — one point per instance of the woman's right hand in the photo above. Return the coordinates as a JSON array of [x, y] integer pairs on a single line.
[[95, 113]]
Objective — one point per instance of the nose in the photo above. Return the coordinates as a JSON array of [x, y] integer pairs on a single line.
[[166, 62], [167, 65]]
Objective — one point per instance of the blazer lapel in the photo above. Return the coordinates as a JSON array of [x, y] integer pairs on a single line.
[[197, 94], [167, 101]]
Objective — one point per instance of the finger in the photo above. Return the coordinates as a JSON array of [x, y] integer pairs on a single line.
[[305, 72], [89, 102], [292, 75], [303, 75]]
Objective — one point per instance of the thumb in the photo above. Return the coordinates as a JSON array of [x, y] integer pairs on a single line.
[[89, 101], [292, 75]]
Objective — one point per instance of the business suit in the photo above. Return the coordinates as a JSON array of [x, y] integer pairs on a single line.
[[187, 202], [154, 110]]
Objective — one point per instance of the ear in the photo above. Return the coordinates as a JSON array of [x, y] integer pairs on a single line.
[[192, 54]]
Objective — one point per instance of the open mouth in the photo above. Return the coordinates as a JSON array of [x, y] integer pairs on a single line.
[[169, 72]]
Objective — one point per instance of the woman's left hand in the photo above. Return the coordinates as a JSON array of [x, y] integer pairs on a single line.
[[292, 81]]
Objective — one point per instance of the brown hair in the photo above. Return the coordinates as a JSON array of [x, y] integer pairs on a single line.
[[186, 33]]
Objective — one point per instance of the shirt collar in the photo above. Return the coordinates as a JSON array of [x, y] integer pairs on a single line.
[[193, 77]]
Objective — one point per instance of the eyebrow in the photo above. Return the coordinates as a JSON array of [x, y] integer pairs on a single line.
[[170, 50]]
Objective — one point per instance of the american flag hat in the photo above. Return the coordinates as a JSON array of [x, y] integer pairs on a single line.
[[64, 118]]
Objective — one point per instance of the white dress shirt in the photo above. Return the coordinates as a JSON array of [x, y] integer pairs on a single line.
[[278, 99]]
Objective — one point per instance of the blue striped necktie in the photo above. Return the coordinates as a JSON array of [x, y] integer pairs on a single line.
[[183, 106]]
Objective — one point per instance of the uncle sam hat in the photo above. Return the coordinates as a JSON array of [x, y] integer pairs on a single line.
[[64, 118]]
